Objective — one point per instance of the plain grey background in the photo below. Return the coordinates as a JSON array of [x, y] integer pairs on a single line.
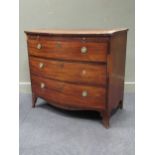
[[76, 14]]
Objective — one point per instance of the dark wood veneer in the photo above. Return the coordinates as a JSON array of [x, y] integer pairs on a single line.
[[69, 94], [68, 71], [68, 49]]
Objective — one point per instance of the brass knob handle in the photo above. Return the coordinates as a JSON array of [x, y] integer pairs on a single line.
[[39, 46], [41, 65], [83, 72], [84, 50], [84, 39], [58, 44], [42, 85], [84, 93]]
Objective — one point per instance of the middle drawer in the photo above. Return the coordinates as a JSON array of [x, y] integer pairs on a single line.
[[85, 73]]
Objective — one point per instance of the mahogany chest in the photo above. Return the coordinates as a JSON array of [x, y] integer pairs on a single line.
[[78, 69]]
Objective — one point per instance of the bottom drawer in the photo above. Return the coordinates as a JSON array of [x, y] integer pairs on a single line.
[[69, 95]]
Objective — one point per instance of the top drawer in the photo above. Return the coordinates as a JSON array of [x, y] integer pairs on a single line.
[[93, 50]]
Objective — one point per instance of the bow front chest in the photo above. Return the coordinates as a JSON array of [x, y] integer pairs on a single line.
[[78, 69]]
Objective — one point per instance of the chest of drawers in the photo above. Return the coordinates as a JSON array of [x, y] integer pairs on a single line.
[[78, 69]]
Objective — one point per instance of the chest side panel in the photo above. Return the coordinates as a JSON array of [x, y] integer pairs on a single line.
[[116, 69]]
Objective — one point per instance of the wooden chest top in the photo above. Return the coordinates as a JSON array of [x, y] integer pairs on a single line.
[[104, 32]]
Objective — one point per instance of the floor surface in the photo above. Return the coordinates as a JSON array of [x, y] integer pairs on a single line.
[[46, 130]]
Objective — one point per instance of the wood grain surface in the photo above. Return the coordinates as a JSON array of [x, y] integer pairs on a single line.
[[69, 95], [68, 50], [77, 31], [84, 73]]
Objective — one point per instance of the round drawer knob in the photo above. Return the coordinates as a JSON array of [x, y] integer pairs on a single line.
[[84, 93], [83, 72], [39, 46], [42, 85], [83, 39], [41, 65], [84, 50]]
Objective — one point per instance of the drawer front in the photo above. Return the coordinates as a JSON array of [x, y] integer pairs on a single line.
[[66, 94], [68, 49], [85, 73]]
